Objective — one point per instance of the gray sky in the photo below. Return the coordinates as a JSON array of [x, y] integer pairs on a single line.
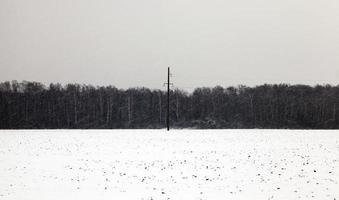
[[206, 42]]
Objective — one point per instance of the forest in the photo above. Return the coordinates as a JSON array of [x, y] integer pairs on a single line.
[[33, 105]]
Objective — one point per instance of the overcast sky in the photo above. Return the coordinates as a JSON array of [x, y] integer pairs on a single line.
[[206, 42]]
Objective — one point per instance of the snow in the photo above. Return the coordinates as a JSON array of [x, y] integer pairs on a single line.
[[180, 164]]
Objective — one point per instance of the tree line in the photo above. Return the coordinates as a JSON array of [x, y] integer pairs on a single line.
[[32, 105]]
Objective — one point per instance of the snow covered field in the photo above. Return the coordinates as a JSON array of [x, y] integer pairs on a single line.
[[181, 164]]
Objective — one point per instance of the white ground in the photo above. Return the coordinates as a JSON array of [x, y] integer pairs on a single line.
[[154, 164]]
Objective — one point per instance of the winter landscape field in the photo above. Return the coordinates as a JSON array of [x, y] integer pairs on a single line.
[[180, 164]]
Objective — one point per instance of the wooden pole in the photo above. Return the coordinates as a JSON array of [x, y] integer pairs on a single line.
[[168, 99]]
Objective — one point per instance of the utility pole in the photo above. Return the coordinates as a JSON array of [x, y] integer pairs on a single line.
[[168, 98]]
